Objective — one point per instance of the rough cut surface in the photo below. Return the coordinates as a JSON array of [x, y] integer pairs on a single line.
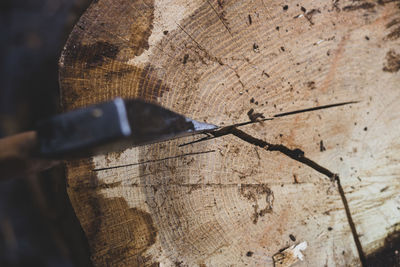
[[231, 201]]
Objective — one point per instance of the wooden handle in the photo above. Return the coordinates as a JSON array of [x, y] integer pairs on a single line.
[[17, 156]]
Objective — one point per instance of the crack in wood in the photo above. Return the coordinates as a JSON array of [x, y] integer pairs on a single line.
[[226, 130], [152, 161], [221, 17], [314, 109], [209, 56], [156, 186], [296, 154], [352, 225]]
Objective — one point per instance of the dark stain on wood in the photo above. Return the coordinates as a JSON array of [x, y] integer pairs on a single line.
[[221, 13], [310, 14], [94, 210], [194, 187], [249, 253], [253, 116], [142, 27], [322, 148], [98, 67], [90, 55], [179, 263], [365, 5], [393, 23], [266, 74], [285, 257], [295, 179], [311, 85], [253, 192], [144, 82], [392, 62], [119, 73], [185, 58], [384, 189], [388, 254], [126, 232], [292, 237], [116, 232], [384, 2], [394, 34], [256, 48], [139, 16]]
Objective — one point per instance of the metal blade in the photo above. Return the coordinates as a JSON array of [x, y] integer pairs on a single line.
[[112, 126]]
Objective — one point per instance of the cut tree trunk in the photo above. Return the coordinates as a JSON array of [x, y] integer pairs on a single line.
[[329, 178]]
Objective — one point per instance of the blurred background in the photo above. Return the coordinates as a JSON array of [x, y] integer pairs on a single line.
[[37, 224]]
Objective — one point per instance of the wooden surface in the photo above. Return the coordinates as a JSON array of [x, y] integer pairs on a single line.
[[227, 201]]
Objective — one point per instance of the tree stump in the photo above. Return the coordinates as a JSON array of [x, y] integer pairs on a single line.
[[329, 178]]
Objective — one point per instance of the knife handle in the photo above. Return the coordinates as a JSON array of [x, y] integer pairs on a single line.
[[18, 156]]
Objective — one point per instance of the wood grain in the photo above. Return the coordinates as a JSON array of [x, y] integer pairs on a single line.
[[239, 203]]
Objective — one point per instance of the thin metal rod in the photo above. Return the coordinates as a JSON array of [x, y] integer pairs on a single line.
[[227, 129]]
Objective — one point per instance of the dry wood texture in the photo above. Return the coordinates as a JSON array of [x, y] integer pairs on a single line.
[[240, 199]]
